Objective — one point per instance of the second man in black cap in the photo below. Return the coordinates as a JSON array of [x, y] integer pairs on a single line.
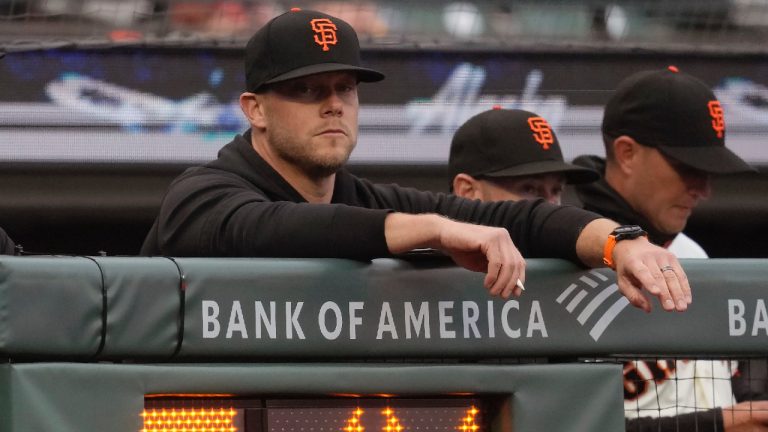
[[510, 154]]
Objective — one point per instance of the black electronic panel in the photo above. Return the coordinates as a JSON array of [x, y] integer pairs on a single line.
[[386, 413]]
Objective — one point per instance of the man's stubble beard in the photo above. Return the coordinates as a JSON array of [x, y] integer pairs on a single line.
[[299, 156]]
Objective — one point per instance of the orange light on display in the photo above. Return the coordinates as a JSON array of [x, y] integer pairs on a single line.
[[392, 422], [353, 423], [189, 420], [468, 422]]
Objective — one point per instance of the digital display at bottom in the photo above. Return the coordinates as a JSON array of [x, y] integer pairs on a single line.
[[230, 414]]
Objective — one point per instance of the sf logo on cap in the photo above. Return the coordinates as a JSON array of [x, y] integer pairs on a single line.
[[718, 122], [325, 31], [542, 133]]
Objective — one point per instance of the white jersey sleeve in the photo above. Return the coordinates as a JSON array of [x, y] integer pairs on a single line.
[[684, 247]]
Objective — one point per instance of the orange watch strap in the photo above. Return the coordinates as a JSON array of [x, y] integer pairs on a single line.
[[608, 252]]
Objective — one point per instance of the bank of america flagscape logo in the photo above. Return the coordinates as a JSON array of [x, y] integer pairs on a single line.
[[595, 301]]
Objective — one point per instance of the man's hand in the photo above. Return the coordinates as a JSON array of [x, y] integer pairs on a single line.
[[749, 416], [475, 247], [485, 249], [640, 266]]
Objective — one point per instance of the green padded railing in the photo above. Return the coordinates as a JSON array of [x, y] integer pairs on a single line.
[[158, 309]]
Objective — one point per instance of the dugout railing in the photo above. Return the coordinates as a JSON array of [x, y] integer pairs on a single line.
[[105, 343]]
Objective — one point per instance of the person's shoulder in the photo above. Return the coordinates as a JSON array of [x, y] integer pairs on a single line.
[[204, 182], [685, 247], [593, 162], [347, 179], [208, 174]]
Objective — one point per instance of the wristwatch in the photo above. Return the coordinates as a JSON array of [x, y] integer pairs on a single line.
[[624, 232]]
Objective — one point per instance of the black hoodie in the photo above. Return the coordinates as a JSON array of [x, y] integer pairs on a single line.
[[238, 205]]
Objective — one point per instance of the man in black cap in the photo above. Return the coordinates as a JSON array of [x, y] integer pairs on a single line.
[[280, 190], [510, 154], [664, 136]]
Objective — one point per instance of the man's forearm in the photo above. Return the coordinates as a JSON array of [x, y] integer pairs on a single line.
[[589, 245], [404, 232]]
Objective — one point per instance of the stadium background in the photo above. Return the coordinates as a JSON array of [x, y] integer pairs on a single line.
[[103, 102]]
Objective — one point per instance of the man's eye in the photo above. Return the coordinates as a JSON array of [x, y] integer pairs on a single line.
[[299, 88], [304, 89]]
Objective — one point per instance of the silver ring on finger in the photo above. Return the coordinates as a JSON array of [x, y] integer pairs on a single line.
[[667, 268]]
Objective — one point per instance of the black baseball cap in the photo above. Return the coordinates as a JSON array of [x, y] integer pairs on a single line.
[[303, 42], [510, 143], [675, 113]]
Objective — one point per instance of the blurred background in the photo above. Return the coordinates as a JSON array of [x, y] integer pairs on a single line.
[[720, 25], [104, 102]]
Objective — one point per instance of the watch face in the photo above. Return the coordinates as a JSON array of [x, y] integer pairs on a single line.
[[628, 232], [626, 229]]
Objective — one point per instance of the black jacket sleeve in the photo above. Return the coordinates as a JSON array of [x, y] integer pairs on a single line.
[[701, 421], [215, 213], [222, 215], [538, 229]]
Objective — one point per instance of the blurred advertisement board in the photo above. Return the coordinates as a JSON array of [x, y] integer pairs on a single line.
[[181, 106]]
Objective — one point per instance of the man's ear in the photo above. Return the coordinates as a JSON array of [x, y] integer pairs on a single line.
[[253, 108], [466, 186], [625, 152]]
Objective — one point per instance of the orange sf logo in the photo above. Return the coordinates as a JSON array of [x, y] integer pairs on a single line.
[[718, 122], [326, 32], [542, 133]]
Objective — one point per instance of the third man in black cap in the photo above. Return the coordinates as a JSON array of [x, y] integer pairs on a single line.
[[664, 135]]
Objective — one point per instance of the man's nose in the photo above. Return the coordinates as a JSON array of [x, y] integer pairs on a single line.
[[333, 103]]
